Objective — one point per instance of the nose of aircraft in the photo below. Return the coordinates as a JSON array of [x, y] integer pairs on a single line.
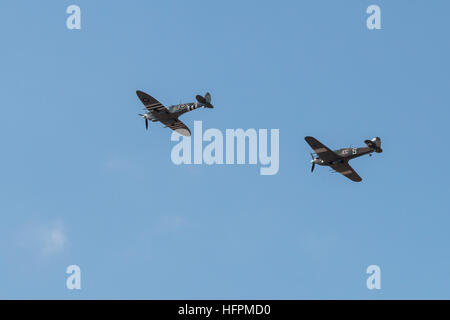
[[313, 162]]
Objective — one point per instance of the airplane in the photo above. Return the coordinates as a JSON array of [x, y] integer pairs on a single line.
[[338, 159], [169, 116]]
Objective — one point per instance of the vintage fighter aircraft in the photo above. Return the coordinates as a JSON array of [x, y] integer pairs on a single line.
[[338, 159], [169, 116]]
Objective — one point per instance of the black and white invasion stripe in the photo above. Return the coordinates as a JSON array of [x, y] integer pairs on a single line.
[[193, 107]]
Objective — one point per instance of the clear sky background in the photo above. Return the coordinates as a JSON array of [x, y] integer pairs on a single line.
[[83, 183]]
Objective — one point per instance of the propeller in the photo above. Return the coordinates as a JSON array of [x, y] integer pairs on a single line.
[[313, 163], [146, 120]]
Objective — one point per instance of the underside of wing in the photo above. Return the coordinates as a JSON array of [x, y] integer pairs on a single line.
[[150, 103], [322, 151], [178, 126], [346, 170]]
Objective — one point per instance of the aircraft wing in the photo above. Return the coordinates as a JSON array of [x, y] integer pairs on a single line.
[[177, 125], [321, 150], [346, 170], [150, 103], [162, 114]]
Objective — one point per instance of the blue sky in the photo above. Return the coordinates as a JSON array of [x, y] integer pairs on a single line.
[[83, 182]]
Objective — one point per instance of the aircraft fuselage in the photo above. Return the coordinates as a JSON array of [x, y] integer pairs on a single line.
[[346, 154], [174, 111]]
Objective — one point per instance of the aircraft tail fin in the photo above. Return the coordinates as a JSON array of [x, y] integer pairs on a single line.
[[205, 101], [374, 144]]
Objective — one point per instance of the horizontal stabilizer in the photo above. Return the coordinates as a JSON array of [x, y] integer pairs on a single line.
[[374, 144], [205, 101]]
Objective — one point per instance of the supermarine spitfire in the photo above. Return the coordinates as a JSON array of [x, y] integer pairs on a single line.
[[169, 116], [338, 159]]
